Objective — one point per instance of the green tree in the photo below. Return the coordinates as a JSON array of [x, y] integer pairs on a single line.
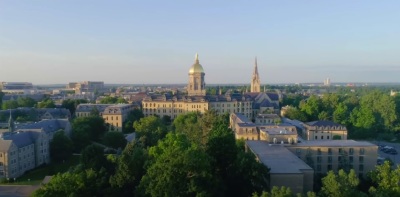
[[150, 129], [93, 157], [26, 102], [71, 104], [312, 107], [84, 183], [130, 169], [296, 114], [386, 180], [12, 104], [87, 129], [46, 103], [178, 168], [323, 115], [341, 184], [341, 114], [115, 140], [61, 147], [121, 100], [133, 116]]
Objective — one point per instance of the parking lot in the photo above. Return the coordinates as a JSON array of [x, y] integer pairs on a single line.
[[394, 157]]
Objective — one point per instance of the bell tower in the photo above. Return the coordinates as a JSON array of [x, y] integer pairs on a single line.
[[196, 85]]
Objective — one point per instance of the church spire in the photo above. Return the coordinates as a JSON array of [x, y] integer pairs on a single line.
[[255, 79], [11, 123]]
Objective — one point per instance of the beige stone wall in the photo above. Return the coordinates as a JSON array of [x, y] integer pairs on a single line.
[[115, 121], [172, 108], [294, 181], [324, 133], [247, 133], [279, 137], [324, 159], [243, 107]]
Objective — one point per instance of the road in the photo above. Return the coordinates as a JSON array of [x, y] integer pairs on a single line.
[[17, 190]]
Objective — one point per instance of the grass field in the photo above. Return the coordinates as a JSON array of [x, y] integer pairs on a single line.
[[36, 176]]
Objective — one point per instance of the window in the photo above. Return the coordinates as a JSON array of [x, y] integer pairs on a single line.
[[327, 137], [351, 159], [362, 151], [340, 159], [329, 159], [319, 151], [318, 167], [330, 151], [351, 151], [329, 167], [316, 137], [361, 167], [340, 150], [322, 137], [319, 159], [361, 159]]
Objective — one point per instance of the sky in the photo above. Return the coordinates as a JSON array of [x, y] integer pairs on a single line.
[[154, 42]]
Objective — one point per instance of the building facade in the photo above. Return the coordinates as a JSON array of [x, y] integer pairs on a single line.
[[249, 104], [324, 130]]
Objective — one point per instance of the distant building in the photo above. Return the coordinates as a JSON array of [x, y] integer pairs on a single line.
[[327, 82], [17, 87], [86, 86], [113, 114], [324, 130], [249, 104]]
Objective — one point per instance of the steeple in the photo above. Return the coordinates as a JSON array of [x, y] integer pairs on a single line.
[[255, 80], [11, 124]]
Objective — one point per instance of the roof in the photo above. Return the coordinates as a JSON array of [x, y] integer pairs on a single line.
[[242, 117], [90, 107], [278, 158], [47, 125], [196, 67], [335, 143], [279, 131], [268, 116], [20, 138], [324, 123]]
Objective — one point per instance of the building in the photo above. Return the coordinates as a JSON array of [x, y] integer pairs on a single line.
[[294, 165], [113, 114], [324, 130], [17, 87], [249, 104], [327, 82], [86, 86], [196, 85], [267, 118], [244, 128], [286, 169], [36, 114], [255, 79]]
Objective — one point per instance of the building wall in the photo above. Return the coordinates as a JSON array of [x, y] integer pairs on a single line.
[[324, 133], [9, 161], [285, 138], [172, 108], [26, 159], [323, 159], [295, 182], [243, 107], [42, 149]]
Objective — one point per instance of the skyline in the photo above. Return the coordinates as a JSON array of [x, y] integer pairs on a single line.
[[154, 43]]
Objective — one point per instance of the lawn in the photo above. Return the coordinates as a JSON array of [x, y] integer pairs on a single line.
[[36, 176]]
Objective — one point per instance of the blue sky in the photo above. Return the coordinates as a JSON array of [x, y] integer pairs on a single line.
[[144, 42]]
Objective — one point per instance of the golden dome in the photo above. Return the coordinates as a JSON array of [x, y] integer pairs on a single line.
[[196, 67]]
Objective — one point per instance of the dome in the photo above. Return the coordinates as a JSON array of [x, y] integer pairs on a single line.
[[196, 67]]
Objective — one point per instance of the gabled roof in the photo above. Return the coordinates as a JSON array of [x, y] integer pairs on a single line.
[[324, 123]]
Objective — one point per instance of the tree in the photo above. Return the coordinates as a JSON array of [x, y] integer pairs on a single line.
[[150, 129], [130, 169], [121, 100], [386, 180], [296, 114], [61, 147], [178, 168], [340, 114], [340, 185], [12, 104], [323, 115], [46, 103], [312, 107], [84, 183], [71, 104], [115, 140], [26, 102], [87, 129], [133, 116], [93, 157]]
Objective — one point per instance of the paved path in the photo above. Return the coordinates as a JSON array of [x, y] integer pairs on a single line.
[[17, 190]]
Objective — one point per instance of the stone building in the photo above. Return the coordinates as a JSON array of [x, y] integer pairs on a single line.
[[249, 104], [324, 130], [255, 79]]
